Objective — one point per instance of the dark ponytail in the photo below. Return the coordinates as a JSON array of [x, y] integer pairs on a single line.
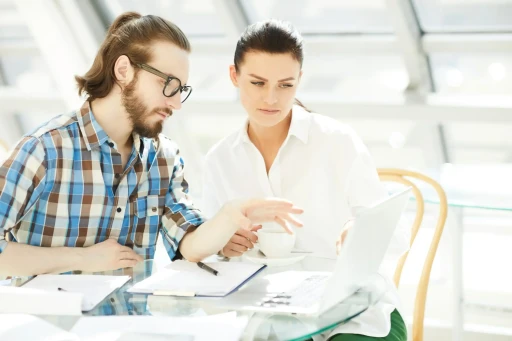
[[271, 36]]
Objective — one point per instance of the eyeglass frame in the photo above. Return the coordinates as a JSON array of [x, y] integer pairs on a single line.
[[168, 79]]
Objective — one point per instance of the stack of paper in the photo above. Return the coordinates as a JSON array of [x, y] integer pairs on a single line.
[[225, 327], [21, 327], [94, 288], [39, 302]]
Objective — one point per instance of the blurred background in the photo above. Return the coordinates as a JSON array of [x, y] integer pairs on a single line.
[[427, 84]]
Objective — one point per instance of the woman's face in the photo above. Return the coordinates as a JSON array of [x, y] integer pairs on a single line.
[[268, 84]]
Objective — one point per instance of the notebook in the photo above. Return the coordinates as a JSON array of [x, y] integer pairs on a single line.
[[93, 287], [183, 278]]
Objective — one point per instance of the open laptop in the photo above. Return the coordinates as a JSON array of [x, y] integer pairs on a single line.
[[316, 292]]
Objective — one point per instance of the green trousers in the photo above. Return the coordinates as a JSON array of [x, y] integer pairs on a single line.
[[398, 332]]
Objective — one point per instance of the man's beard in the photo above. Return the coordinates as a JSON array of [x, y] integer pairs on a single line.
[[138, 112]]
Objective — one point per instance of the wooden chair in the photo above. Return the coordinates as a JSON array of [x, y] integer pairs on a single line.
[[403, 177], [3, 146], [4, 149]]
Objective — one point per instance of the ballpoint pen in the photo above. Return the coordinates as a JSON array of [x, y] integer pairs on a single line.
[[207, 268]]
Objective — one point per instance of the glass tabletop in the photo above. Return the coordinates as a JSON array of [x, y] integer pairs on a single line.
[[486, 187], [261, 326]]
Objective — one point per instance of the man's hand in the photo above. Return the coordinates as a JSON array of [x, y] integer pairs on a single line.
[[245, 214], [348, 225], [215, 234], [108, 255], [241, 241]]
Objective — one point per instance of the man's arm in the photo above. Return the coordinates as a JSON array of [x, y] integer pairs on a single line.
[[22, 180], [185, 226], [26, 260]]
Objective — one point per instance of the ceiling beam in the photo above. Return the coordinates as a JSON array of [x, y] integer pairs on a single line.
[[13, 101], [408, 35], [467, 43], [18, 48], [436, 108], [315, 45]]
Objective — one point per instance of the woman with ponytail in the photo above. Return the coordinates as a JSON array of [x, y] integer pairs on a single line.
[[285, 150]]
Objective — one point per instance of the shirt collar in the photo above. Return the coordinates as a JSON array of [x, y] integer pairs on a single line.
[[93, 134], [301, 121], [299, 127]]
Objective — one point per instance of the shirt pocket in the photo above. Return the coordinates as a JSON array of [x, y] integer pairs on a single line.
[[146, 221]]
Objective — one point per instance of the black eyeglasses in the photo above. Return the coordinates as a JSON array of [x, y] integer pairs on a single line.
[[172, 84]]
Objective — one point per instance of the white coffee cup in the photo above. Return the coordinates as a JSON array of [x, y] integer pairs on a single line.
[[275, 243]]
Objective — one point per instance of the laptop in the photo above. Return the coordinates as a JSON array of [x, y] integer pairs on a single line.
[[311, 293]]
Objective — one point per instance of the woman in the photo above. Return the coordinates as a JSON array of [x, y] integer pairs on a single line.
[[284, 150]]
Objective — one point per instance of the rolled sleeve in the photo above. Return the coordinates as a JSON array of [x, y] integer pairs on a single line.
[[22, 179], [180, 215]]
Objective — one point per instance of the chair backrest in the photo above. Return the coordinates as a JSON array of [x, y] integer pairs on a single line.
[[4, 149], [404, 177]]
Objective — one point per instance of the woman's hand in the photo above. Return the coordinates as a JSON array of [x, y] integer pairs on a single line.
[[246, 214], [348, 225], [242, 241]]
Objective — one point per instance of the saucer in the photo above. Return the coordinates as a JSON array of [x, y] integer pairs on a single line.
[[257, 257]]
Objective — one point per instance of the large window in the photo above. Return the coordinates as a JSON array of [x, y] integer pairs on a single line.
[[324, 16], [464, 15], [195, 18]]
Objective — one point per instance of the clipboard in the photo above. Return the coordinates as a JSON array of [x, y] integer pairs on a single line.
[[185, 279]]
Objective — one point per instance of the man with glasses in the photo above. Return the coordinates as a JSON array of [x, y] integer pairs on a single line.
[[92, 190]]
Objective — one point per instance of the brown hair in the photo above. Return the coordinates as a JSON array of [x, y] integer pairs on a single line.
[[271, 36], [130, 34]]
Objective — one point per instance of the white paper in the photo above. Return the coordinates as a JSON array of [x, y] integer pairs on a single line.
[[39, 302], [5, 282], [22, 327], [94, 287], [182, 277], [224, 327]]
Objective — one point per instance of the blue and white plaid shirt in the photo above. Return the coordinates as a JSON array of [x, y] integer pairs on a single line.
[[65, 185]]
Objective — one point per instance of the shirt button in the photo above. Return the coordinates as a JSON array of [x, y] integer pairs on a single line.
[[119, 209], [117, 175], [153, 209]]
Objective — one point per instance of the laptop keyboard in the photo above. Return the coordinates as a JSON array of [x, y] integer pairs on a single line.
[[305, 294]]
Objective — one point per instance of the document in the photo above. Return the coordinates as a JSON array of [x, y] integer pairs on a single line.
[[39, 302], [94, 288], [5, 282], [22, 327], [225, 327], [183, 278]]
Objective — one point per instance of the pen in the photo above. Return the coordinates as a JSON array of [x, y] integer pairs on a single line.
[[207, 268], [60, 289]]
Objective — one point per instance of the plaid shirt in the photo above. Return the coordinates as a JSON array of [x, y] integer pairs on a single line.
[[65, 185]]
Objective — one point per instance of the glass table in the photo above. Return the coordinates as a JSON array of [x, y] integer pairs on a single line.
[[487, 187], [261, 326], [468, 187]]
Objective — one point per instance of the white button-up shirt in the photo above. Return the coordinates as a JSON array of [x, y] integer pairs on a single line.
[[322, 167]]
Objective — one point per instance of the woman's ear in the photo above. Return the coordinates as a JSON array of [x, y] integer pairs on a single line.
[[233, 75]]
